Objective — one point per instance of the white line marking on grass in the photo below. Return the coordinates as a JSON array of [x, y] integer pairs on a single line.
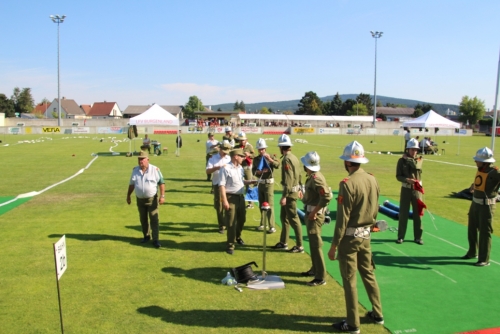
[[451, 243], [434, 270], [451, 163], [34, 193]]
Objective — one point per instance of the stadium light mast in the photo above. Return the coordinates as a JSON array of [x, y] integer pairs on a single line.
[[495, 111], [58, 19], [376, 35]]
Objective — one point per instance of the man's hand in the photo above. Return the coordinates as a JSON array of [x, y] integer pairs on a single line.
[[225, 204], [128, 199], [332, 253], [283, 201], [162, 200], [312, 216]]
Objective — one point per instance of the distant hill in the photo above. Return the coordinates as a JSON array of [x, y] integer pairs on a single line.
[[293, 104]]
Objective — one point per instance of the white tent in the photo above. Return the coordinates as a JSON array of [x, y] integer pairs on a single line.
[[431, 119], [155, 115]]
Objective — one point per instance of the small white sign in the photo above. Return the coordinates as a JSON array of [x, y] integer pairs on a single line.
[[60, 257]]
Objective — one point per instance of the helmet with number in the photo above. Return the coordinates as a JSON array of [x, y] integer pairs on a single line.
[[242, 136], [412, 143], [228, 129], [284, 140], [261, 143], [484, 155], [311, 161], [354, 152]]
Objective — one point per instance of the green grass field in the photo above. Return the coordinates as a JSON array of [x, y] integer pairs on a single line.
[[114, 284]]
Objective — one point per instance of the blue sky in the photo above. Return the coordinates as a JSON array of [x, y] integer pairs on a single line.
[[141, 52]]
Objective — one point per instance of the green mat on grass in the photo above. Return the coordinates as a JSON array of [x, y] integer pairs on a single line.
[[10, 206], [426, 289]]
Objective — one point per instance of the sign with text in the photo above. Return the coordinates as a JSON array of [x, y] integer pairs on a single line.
[[80, 129], [323, 131], [111, 129], [303, 130], [60, 257], [53, 129], [250, 129]]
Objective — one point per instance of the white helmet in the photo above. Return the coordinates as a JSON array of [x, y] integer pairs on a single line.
[[412, 143], [228, 129], [261, 143], [354, 152], [242, 136], [484, 155], [311, 161], [284, 140]]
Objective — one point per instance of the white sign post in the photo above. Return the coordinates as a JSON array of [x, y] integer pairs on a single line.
[[60, 261]]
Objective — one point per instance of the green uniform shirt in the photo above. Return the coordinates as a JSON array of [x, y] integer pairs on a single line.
[[247, 148], [275, 164], [357, 203], [290, 175], [409, 168], [317, 190]]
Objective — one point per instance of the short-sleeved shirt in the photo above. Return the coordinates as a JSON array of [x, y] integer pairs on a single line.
[[407, 135], [209, 145], [231, 177], [216, 161], [146, 184]]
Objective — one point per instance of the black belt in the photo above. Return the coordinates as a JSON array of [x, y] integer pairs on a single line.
[[230, 194]]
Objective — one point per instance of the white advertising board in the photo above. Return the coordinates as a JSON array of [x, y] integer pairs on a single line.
[[60, 257], [324, 131]]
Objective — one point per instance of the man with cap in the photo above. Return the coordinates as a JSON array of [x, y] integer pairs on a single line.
[[316, 197], [290, 178], [266, 182], [145, 180], [214, 164], [209, 148], [229, 136], [247, 161], [357, 208], [408, 172], [482, 208], [232, 189]]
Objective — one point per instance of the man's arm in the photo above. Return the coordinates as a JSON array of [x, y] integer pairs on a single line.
[[162, 193], [131, 188]]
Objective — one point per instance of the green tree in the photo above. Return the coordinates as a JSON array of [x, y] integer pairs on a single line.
[[382, 117], [358, 109], [346, 106], [242, 106], [471, 110], [325, 108], [7, 106], [336, 105], [194, 104], [22, 99], [287, 112], [366, 100], [310, 104], [264, 110]]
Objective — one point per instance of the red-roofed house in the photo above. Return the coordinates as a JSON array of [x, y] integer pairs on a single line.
[[86, 108], [40, 109], [103, 110]]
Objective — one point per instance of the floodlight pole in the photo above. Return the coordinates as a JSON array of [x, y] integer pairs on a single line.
[[494, 127], [58, 19], [376, 35]]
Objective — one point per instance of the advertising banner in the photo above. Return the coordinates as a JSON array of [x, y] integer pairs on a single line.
[[329, 131], [51, 129], [302, 130], [14, 131], [111, 129], [248, 129], [80, 129]]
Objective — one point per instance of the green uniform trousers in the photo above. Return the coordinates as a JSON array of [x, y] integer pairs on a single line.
[[406, 197], [234, 218], [480, 219], [219, 210], [316, 245], [266, 194], [148, 207], [289, 217], [355, 254]]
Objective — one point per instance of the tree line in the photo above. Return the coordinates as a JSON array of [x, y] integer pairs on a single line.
[[21, 101]]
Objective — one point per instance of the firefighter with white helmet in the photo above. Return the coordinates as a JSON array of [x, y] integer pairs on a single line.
[[316, 197], [409, 172], [482, 208], [263, 168], [247, 161], [290, 178], [357, 208], [229, 136]]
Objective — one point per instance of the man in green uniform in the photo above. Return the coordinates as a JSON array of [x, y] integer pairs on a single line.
[[266, 182], [229, 136], [356, 211], [316, 197], [481, 210], [408, 172], [290, 176], [247, 161]]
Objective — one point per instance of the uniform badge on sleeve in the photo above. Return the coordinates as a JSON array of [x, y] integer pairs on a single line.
[[340, 199]]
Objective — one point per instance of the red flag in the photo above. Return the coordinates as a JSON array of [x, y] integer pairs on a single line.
[[421, 207], [418, 187]]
